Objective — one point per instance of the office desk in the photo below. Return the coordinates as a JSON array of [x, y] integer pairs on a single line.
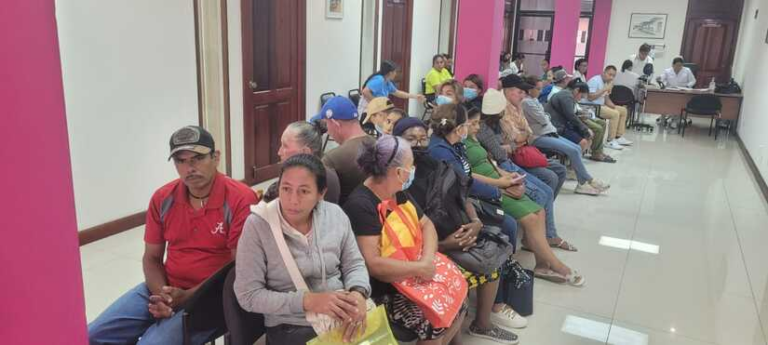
[[670, 102]]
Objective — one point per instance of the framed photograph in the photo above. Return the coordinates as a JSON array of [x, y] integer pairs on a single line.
[[648, 25], [334, 9]]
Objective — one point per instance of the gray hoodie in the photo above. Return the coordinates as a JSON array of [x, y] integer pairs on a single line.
[[263, 284]]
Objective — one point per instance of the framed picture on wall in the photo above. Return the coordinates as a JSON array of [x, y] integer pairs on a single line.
[[334, 9], [647, 25]]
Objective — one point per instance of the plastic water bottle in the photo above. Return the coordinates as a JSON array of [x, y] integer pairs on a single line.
[[712, 85]]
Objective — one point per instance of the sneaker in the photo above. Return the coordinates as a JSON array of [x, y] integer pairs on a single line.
[[586, 189], [599, 185], [623, 141], [496, 334], [614, 145], [509, 318]]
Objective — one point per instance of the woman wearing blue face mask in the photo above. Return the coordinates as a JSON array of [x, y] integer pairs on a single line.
[[473, 91], [450, 92], [388, 163]]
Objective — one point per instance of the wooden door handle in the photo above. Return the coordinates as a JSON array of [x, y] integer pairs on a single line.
[[253, 85]]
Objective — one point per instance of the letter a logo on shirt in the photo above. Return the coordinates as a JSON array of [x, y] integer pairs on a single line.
[[219, 229]]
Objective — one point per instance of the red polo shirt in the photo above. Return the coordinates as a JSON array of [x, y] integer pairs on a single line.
[[198, 242]]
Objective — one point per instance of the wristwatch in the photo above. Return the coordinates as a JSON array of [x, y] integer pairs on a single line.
[[361, 290]]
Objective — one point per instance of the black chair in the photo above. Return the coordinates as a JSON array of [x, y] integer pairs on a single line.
[[428, 104], [204, 310], [325, 97], [354, 96], [703, 105], [624, 96], [244, 328]]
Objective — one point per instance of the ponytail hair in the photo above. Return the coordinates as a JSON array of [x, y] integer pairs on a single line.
[[376, 158]]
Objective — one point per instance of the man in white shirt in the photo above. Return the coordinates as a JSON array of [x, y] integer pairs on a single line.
[[600, 87], [678, 75], [642, 58]]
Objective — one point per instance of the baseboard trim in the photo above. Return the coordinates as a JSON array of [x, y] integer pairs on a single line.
[[114, 227], [753, 168]]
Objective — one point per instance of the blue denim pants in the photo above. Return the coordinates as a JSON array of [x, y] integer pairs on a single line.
[[128, 321], [568, 148], [540, 193]]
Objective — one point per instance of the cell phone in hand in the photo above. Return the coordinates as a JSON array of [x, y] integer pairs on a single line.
[[518, 179]]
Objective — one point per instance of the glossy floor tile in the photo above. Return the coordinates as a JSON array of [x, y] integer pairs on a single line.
[[674, 254]]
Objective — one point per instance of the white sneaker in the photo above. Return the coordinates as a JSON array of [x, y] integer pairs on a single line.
[[599, 185], [587, 189], [623, 141], [614, 145], [509, 318]]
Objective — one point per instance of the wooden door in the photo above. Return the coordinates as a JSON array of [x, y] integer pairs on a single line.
[[709, 44], [396, 42], [710, 36], [273, 77]]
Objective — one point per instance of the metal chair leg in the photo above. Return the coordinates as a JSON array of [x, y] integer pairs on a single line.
[[711, 121], [685, 122]]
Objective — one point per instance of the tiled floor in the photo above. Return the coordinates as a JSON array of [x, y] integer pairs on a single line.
[[697, 272]]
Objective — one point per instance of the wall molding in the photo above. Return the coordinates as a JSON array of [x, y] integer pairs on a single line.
[[114, 227], [753, 168]]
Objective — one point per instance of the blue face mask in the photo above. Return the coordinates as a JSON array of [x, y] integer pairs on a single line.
[[411, 176], [470, 94], [379, 129], [442, 99]]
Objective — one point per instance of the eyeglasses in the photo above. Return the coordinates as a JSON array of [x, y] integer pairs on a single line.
[[419, 142]]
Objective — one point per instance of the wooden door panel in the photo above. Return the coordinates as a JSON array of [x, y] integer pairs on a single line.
[[273, 77], [396, 42]]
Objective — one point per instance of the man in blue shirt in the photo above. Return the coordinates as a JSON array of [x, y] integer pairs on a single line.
[[600, 87]]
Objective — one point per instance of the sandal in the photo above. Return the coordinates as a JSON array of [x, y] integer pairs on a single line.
[[564, 245], [574, 279], [604, 159]]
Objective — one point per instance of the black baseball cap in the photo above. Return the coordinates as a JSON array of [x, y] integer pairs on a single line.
[[577, 84], [514, 80], [192, 138]]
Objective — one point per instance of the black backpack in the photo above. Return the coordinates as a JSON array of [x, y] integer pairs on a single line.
[[446, 196]]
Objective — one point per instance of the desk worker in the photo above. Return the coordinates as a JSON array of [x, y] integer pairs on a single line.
[[198, 218], [679, 77]]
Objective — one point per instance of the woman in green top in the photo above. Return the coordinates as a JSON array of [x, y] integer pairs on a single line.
[[516, 204]]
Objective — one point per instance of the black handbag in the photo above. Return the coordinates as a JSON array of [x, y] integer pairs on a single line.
[[492, 249], [516, 287], [489, 212]]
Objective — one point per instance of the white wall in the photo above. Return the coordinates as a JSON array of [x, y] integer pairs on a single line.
[[333, 52], [424, 45], [751, 70], [620, 47], [129, 81], [236, 133]]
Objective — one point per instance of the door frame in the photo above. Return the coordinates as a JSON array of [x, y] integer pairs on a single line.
[[246, 9]]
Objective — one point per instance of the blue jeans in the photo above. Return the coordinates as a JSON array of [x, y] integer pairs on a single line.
[[553, 175], [568, 148], [128, 321], [540, 193]]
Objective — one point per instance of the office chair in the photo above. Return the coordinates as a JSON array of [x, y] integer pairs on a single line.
[[326, 97], [704, 105], [624, 96], [354, 96]]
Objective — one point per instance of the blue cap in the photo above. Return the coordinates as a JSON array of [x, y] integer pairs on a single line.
[[337, 108]]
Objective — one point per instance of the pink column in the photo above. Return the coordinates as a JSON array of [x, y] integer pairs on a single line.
[[478, 39], [566, 28], [599, 38], [42, 288]]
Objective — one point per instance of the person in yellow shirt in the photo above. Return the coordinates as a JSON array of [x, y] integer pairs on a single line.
[[436, 76]]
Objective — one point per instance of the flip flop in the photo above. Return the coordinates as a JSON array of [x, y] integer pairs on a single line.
[[605, 159], [564, 245], [574, 279]]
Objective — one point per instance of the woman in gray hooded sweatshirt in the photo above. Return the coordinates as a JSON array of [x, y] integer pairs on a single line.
[[320, 239]]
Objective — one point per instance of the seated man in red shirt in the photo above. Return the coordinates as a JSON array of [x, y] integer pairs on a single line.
[[198, 218]]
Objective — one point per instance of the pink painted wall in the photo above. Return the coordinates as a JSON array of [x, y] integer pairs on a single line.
[[478, 39], [565, 29], [42, 291], [599, 38]]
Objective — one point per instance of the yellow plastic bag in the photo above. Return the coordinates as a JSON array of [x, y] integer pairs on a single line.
[[377, 332]]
